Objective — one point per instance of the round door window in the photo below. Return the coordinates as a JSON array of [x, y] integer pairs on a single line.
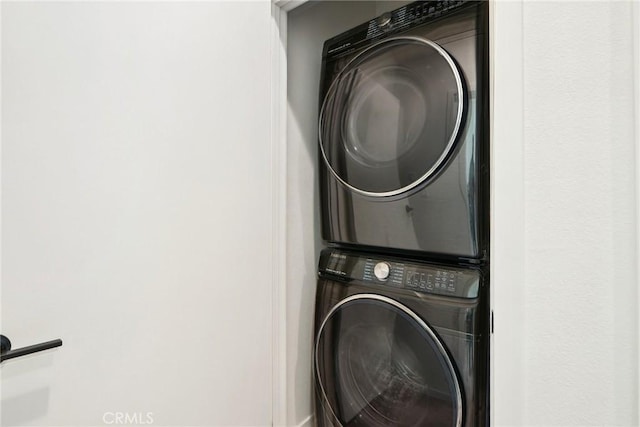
[[391, 118], [379, 364]]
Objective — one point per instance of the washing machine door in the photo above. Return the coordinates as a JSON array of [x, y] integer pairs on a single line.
[[379, 364], [390, 119]]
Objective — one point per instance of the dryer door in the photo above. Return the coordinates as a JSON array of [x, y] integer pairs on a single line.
[[379, 364], [390, 119]]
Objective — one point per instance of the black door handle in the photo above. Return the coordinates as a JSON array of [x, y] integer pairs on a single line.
[[6, 353]]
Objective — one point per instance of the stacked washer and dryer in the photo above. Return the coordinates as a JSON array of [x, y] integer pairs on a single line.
[[402, 307]]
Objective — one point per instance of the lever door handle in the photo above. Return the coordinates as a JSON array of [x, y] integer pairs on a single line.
[[6, 353]]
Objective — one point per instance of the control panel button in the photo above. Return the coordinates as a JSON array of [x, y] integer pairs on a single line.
[[384, 20], [382, 270]]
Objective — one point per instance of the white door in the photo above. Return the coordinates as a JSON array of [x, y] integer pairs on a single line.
[[136, 218]]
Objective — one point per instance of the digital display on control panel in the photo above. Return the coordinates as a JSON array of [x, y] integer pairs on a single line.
[[431, 9], [434, 280]]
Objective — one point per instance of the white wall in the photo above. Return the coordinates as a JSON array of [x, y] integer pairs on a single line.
[[136, 211], [507, 214], [580, 309]]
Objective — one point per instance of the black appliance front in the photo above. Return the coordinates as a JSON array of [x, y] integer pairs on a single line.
[[403, 132], [400, 343]]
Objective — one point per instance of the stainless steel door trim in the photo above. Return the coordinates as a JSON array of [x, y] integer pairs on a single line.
[[412, 315], [450, 144]]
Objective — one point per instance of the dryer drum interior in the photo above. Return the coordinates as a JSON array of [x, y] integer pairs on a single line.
[[387, 367], [392, 117]]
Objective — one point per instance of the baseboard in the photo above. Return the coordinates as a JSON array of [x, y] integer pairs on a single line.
[[307, 422]]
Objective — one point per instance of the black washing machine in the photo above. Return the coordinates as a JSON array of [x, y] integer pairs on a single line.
[[403, 132], [400, 343]]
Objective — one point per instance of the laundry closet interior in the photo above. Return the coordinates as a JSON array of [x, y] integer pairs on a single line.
[[308, 26], [554, 306]]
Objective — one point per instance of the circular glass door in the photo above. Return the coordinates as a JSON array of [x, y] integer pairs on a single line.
[[379, 364], [391, 118]]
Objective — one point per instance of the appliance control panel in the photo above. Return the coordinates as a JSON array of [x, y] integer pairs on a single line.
[[397, 20], [410, 275]]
